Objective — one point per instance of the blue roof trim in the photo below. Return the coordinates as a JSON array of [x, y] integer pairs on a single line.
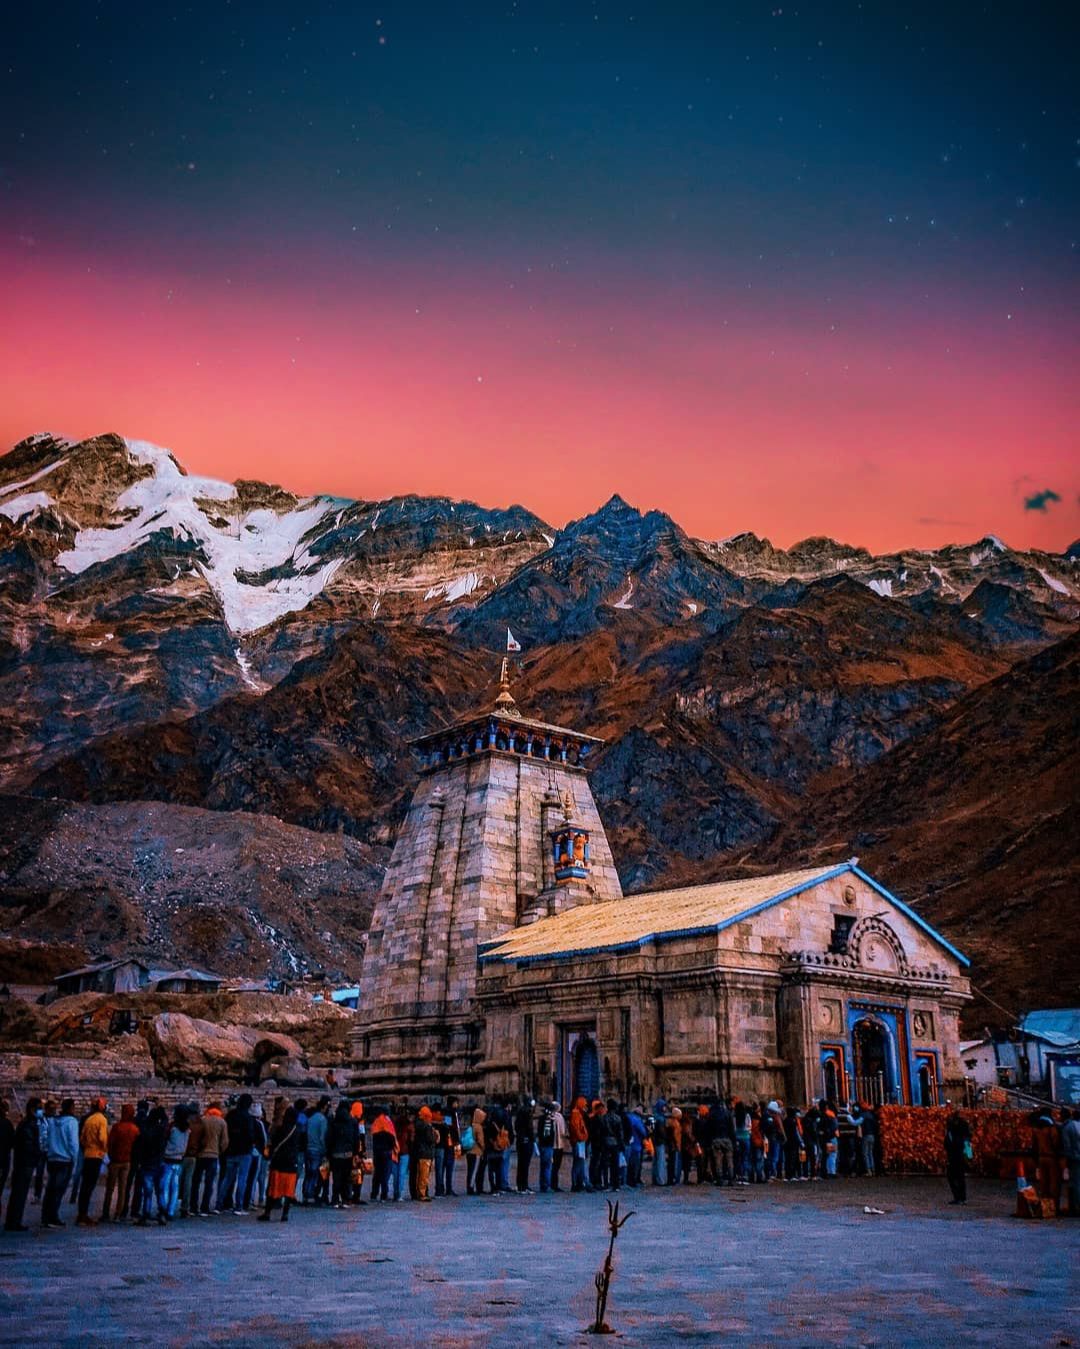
[[740, 917], [910, 913]]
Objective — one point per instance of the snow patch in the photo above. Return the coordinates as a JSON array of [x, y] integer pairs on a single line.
[[246, 674], [881, 587], [624, 603], [996, 543], [254, 542], [25, 505], [1051, 581], [457, 589], [979, 556], [692, 606], [375, 608], [547, 539]]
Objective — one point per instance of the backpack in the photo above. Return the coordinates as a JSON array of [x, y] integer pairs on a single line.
[[547, 1132], [502, 1140], [468, 1138]]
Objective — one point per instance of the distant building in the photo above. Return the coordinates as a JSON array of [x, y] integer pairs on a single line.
[[1033, 1056], [503, 955], [129, 975], [107, 976], [185, 981], [347, 997]]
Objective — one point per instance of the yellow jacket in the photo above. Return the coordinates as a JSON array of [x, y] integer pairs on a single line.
[[94, 1137]]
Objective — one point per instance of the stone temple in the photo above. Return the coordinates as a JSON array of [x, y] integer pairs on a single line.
[[503, 955]]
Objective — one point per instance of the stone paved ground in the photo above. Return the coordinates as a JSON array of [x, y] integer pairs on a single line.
[[783, 1264]]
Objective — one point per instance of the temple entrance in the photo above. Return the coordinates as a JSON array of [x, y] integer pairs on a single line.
[[580, 1066], [873, 1062]]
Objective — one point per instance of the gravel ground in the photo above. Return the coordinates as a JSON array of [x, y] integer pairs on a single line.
[[779, 1264]]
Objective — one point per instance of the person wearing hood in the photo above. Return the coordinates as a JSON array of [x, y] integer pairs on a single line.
[[62, 1151], [342, 1145], [153, 1138], [957, 1148], [424, 1152], [579, 1141], [212, 1141], [635, 1150], [26, 1153], [285, 1146], [122, 1138], [477, 1145], [383, 1154], [176, 1143], [674, 1130], [237, 1157]]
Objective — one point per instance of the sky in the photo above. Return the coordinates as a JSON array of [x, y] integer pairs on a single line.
[[794, 270]]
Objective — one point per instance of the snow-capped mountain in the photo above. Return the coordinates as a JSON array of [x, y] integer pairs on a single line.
[[215, 646]]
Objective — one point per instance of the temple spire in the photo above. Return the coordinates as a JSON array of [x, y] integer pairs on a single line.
[[505, 701]]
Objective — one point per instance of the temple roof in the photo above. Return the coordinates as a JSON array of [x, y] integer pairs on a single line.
[[662, 914], [505, 709]]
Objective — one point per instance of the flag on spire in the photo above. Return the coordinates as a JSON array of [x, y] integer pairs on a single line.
[[512, 643]]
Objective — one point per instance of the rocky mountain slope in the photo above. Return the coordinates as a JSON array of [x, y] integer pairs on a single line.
[[219, 648], [977, 819]]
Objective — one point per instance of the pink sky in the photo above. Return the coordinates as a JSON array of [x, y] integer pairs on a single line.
[[903, 425]]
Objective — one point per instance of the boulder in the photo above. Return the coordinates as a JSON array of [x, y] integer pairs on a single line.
[[187, 1047]]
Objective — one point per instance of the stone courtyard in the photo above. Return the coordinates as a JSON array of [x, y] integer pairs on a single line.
[[787, 1264]]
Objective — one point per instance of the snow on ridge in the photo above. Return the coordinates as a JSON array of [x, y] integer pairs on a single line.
[[20, 507], [41, 473], [1051, 581], [995, 542], [456, 589], [256, 541]]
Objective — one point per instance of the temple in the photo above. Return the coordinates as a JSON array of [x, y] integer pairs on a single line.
[[503, 955]]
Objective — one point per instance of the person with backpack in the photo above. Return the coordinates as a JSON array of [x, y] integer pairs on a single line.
[[722, 1143], [233, 1184], [285, 1146], [827, 1132], [545, 1142], [449, 1148]]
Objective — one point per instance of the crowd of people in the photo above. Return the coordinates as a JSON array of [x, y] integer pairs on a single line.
[[159, 1165]]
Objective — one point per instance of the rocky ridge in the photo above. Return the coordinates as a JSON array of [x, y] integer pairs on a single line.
[[237, 653]]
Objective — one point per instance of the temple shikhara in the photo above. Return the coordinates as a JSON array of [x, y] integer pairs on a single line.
[[503, 955]]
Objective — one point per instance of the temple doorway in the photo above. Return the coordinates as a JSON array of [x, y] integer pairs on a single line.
[[581, 1065], [873, 1062]]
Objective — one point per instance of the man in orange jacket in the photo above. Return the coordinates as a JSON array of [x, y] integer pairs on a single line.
[[579, 1138], [94, 1141]]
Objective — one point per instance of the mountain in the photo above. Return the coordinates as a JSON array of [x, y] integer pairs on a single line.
[[199, 651], [978, 820]]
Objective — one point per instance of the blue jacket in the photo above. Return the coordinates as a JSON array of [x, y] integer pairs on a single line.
[[63, 1145], [637, 1130], [316, 1134]]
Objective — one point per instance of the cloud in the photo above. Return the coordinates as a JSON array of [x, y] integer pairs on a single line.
[[1041, 500], [937, 520]]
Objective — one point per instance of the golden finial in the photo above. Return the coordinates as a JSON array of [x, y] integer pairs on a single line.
[[505, 701]]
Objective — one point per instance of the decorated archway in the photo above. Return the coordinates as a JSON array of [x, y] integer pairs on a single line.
[[873, 1058]]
